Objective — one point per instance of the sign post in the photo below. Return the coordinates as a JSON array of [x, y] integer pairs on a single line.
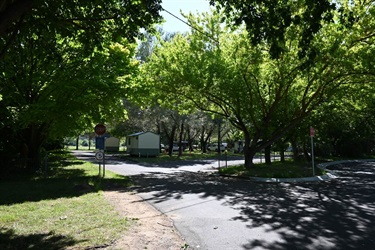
[[100, 130], [312, 134]]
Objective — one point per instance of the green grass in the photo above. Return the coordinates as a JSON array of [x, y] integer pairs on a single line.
[[286, 169], [65, 209]]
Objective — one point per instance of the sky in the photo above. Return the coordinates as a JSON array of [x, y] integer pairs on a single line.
[[172, 24]]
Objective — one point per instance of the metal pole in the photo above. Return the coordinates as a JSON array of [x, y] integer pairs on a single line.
[[99, 169], [312, 154], [103, 164], [226, 159]]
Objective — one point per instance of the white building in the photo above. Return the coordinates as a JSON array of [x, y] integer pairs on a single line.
[[143, 144], [112, 144]]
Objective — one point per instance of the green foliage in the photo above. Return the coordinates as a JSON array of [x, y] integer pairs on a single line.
[[223, 73], [346, 124], [92, 24], [65, 66], [53, 90], [269, 21]]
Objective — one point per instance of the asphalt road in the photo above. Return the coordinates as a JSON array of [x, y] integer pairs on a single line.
[[212, 212]]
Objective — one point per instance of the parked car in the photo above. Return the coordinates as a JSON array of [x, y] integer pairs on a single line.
[[175, 147], [214, 146]]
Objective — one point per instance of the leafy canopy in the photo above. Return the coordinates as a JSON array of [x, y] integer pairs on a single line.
[[91, 23], [265, 97], [269, 20]]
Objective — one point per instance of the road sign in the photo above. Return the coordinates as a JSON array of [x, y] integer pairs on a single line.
[[99, 155], [312, 132], [100, 129], [99, 142]]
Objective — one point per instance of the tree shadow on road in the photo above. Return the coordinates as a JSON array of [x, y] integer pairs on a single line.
[[338, 214]]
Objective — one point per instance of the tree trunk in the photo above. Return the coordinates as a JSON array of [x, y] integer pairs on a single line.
[[282, 155], [34, 142], [202, 142], [204, 139], [77, 142], [189, 139], [219, 139], [249, 152], [249, 156], [267, 155], [180, 147], [171, 140], [295, 150], [34, 158]]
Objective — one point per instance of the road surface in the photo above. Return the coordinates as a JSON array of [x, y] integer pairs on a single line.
[[212, 212]]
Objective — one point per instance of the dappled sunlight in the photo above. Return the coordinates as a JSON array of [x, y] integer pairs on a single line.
[[336, 214]]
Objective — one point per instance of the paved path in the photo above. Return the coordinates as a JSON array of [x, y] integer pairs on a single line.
[[225, 213], [133, 168]]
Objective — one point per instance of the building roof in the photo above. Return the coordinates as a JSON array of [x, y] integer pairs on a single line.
[[139, 133]]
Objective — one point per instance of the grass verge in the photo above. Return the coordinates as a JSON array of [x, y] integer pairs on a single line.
[[63, 210], [287, 169]]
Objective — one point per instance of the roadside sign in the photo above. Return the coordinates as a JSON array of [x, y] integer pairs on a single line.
[[99, 155], [99, 142], [100, 129], [312, 132]]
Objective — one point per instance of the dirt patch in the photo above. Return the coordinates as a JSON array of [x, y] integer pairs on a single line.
[[150, 229]]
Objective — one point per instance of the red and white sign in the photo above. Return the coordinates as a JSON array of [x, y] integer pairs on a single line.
[[312, 132], [100, 129]]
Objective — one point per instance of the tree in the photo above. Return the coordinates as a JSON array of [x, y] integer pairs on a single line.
[[221, 72], [346, 127], [52, 90], [269, 21], [64, 66], [137, 119], [91, 23]]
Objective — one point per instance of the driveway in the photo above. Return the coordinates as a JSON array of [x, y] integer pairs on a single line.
[[224, 213]]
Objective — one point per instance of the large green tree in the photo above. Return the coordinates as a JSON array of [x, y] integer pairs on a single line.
[[64, 65], [50, 89], [92, 23], [265, 97]]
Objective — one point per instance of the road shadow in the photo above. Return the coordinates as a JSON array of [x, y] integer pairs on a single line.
[[337, 214]]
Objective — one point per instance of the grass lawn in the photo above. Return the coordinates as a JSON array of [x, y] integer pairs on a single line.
[[287, 169], [64, 209]]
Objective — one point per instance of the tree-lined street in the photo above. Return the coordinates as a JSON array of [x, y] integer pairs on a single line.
[[250, 78]]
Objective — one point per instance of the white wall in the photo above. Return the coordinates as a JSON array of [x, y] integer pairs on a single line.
[[149, 140], [112, 142]]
